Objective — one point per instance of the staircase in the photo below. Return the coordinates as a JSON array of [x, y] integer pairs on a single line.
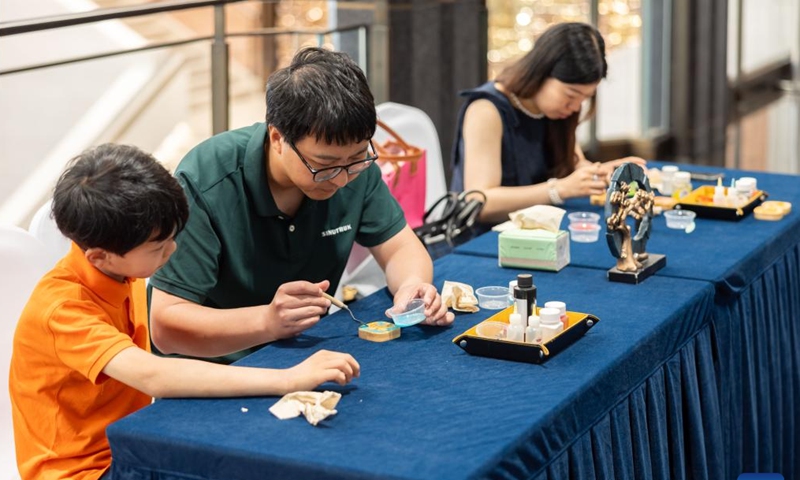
[[246, 91]]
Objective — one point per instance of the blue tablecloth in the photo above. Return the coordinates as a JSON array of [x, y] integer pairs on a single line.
[[624, 401], [755, 268], [728, 253]]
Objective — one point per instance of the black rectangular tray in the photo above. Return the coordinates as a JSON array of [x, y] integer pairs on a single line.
[[474, 344]]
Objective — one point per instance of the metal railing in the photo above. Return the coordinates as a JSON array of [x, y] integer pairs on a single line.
[[371, 37]]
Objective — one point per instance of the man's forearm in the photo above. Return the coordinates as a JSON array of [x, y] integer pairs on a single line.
[[411, 266], [190, 329]]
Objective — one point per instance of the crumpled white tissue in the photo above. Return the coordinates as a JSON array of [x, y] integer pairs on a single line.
[[316, 406], [545, 217], [459, 296]]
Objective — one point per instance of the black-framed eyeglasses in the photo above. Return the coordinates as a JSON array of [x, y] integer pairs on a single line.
[[329, 173]]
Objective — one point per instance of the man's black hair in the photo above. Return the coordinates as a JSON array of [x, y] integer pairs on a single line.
[[117, 197], [323, 94]]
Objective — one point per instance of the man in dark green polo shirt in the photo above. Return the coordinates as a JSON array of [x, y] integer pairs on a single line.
[[275, 209]]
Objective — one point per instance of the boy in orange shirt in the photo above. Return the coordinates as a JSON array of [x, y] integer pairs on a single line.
[[81, 350]]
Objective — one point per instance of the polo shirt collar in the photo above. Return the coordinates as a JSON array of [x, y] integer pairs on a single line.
[[105, 287], [255, 176], [255, 173]]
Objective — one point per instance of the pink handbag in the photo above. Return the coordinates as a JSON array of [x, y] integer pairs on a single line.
[[403, 170]]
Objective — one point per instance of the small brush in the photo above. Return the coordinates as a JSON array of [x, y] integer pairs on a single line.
[[342, 305]]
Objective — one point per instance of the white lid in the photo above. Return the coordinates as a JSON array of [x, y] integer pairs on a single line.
[[683, 176], [511, 285], [748, 181], [515, 319], [533, 321], [669, 168], [549, 316], [560, 306]]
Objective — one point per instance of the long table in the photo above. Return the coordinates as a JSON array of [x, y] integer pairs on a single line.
[[692, 374], [730, 254], [755, 268], [425, 409]]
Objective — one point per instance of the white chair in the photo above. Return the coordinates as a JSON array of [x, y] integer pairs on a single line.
[[416, 128], [22, 263], [44, 228]]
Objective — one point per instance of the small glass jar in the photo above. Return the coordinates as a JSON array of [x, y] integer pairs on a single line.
[[681, 184]]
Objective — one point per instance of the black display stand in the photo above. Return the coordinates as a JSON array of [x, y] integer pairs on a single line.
[[654, 263]]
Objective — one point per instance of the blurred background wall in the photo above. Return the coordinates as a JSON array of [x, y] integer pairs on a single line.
[[708, 82]]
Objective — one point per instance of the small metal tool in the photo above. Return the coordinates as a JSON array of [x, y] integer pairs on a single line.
[[343, 306]]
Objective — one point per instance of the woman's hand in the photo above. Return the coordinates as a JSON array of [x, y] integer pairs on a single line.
[[607, 168], [584, 181], [592, 178]]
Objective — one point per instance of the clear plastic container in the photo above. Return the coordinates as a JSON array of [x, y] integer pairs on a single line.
[[583, 217], [412, 314], [492, 329], [584, 232], [679, 219], [492, 298]]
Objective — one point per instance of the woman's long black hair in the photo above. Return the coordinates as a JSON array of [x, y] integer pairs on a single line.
[[571, 53]]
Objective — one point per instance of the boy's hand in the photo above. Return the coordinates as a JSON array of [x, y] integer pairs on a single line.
[[435, 311], [323, 366], [296, 307]]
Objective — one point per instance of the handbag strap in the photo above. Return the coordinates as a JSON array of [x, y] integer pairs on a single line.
[[409, 153], [456, 215]]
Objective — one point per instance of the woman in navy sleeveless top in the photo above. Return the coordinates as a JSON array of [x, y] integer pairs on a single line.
[[516, 135]]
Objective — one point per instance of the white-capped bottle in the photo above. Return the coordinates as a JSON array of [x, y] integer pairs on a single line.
[[562, 308], [516, 329], [532, 331], [746, 187], [511, 286], [667, 172], [732, 198], [719, 194], [550, 323]]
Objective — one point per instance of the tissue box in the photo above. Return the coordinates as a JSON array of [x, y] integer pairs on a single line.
[[534, 249]]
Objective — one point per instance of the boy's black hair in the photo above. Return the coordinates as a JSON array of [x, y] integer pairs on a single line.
[[116, 197], [322, 94]]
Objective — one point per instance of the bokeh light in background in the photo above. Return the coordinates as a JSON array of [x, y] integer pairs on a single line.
[[298, 15], [515, 24]]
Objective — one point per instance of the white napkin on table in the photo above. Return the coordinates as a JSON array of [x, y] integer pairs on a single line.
[[316, 406]]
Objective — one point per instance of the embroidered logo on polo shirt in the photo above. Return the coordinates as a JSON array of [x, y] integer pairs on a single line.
[[337, 230]]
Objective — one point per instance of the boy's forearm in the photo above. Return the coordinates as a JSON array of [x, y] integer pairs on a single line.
[[177, 377]]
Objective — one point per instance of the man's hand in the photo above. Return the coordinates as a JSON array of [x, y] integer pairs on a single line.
[[435, 311], [296, 307]]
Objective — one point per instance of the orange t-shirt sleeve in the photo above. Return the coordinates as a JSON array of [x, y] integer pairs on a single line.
[[86, 339]]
